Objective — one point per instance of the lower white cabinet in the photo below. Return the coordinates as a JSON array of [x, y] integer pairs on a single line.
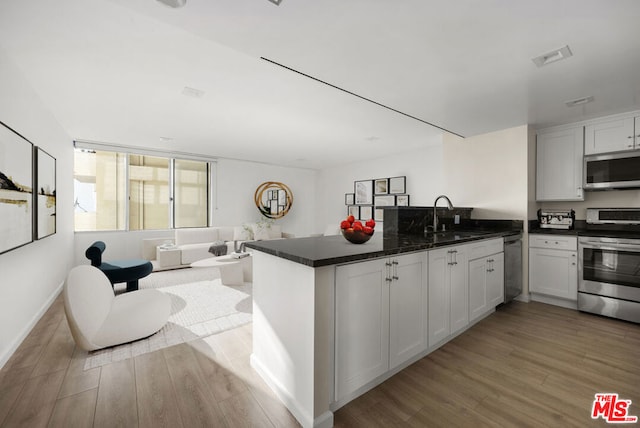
[[486, 284], [553, 266], [448, 292], [380, 318]]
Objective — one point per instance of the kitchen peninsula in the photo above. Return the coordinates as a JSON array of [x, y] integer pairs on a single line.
[[333, 319]]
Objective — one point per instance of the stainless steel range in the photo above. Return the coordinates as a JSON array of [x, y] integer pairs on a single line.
[[609, 267]]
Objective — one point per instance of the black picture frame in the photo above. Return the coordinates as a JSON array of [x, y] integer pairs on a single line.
[[349, 198], [378, 214], [385, 200], [398, 185], [353, 210], [366, 212], [381, 186], [45, 169], [16, 190], [363, 190], [402, 200]]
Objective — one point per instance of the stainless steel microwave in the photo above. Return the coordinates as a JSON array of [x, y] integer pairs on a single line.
[[612, 170]]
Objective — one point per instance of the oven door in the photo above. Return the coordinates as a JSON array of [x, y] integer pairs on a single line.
[[610, 268]]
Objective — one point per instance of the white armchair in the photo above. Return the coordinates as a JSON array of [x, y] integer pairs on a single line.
[[99, 319]]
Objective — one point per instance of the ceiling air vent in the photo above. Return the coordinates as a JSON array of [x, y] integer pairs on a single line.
[[553, 56], [173, 3], [192, 92], [579, 101]]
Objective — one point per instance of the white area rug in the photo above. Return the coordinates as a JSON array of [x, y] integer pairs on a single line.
[[198, 309]]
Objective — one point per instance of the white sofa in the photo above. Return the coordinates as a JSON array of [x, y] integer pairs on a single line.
[[192, 244]]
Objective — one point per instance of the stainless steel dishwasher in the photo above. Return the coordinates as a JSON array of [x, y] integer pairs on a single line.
[[512, 267]]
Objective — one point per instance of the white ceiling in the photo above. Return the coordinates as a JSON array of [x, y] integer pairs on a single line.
[[113, 71]]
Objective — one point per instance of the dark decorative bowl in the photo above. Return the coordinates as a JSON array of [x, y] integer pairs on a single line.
[[356, 236]]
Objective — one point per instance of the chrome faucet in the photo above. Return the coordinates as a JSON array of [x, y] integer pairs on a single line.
[[435, 217]]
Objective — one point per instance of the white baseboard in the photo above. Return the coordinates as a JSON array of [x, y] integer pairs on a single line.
[[556, 301], [27, 329], [325, 420]]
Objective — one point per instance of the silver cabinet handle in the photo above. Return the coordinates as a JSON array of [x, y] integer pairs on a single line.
[[395, 270]]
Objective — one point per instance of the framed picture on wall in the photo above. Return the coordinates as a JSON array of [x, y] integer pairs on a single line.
[[381, 186], [16, 190], [353, 210], [385, 200], [349, 198], [46, 193], [402, 200], [378, 214], [366, 212], [363, 190], [398, 185]]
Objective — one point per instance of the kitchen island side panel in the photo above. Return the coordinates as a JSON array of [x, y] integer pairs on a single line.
[[292, 337]]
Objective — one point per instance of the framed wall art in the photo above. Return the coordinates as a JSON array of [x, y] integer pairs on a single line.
[[385, 200], [366, 212], [363, 190], [402, 200], [349, 198], [378, 214], [16, 190], [45, 193], [353, 210], [398, 185], [381, 186]]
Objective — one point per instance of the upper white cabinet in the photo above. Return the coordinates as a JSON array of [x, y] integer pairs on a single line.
[[613, 134], [559, 156], [381, 318]]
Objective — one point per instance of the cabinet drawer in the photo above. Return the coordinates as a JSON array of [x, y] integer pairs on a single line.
[[557, 242], [485, 248]]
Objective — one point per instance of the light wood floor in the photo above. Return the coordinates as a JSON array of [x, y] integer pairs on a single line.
[[526, 365]]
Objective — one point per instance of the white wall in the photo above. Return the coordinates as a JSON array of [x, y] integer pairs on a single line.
[[423, 169], [602, 199], [234, 189], [31, 276], [489, 173]]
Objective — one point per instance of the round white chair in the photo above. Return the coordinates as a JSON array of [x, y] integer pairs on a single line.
[[99, 319]]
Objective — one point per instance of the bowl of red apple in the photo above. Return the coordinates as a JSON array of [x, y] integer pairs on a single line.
[[355, 232]]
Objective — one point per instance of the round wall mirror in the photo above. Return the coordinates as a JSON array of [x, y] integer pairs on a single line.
[[273, 199]]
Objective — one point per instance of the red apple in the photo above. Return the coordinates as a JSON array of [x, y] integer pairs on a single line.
[[344, 224], [371, 223], [351, 219], [368, 230]]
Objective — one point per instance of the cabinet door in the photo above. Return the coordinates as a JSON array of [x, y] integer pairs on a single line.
[[407, 308], [559, 156], [439, 296], [362, 324], [495, 280], [553, 272], [459, 290], [611, 135], [478, 292]]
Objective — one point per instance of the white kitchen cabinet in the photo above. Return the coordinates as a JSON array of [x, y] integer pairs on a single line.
[[407, 308], [380, 318], [559, 156], [613, 134], [553, 266], [448, 292], [486, 284]]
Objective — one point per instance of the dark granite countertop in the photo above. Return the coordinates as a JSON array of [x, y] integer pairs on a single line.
[[331, 250]]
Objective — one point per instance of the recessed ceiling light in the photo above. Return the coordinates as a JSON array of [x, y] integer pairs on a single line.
[[166, 139], [553, 56], [173, 3], [192, 92], [579, 101]]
